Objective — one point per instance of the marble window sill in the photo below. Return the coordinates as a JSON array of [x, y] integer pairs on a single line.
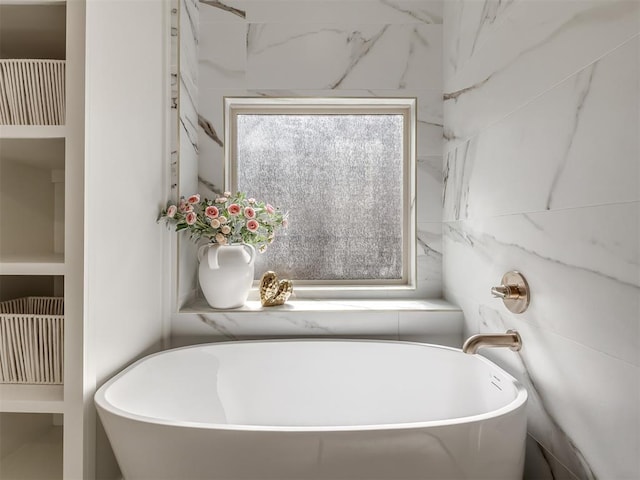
[[430, 321], [329, 305]]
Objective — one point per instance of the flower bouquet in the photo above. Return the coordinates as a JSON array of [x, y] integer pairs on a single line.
[[227, 219]]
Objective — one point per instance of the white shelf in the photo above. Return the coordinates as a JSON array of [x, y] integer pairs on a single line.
[[32, 264], [31, 398], [32, 131]]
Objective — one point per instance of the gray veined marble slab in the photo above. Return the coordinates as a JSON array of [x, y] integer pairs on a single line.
[[339, 56], [457, 174], [541, 464], [188, 56], [187, 136], [190, 18], [582, 266], [435, 321], [310, 11], [429, 260], [429, 116], [540, 44], [429, 188], [223, 11], [312, 324], [467, 24], [575, 145], [222, 56], [584, 405], [188, 95]]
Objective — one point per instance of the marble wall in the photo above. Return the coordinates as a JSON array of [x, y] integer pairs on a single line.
[[328, 48], [541, 106], [185, 180], [363, 48]]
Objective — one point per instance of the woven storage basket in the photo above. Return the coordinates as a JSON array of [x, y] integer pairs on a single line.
[[32, 340], [32, 92]]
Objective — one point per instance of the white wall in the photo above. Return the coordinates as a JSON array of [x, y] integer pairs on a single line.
[[126, 180], [542, 175]]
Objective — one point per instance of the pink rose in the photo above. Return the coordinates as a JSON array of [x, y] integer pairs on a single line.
[[171, 211], [249, 212], [188, 208], [226, 229], [193, 199], [252, 225], [215, 223], [269, 208], [211, 211], [183, 206], [233, 209], [191, 218], [221, 239]]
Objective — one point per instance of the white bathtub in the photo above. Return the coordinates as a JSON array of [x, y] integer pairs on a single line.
[[315, 409]]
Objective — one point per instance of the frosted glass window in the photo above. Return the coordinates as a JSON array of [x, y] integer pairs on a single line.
[[342, 176]]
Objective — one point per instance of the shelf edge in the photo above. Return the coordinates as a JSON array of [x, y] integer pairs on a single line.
[[32, 131], [18, 398]]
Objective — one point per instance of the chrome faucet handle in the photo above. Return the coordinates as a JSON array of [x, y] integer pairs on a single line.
[[514, 292]]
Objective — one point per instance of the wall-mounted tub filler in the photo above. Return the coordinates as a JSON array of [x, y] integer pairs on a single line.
[[510, 339], [514, 292]]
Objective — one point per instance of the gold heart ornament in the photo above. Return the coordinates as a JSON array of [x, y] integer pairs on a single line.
[[274, 292]]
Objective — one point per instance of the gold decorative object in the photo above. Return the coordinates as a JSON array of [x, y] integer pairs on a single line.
[[274, 292]]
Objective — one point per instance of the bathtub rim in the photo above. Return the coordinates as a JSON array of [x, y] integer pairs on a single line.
[[517, 403]]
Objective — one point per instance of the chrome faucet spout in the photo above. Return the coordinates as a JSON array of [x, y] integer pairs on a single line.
[[511, 339]]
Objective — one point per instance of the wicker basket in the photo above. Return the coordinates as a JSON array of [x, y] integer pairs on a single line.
[[32, 92], [32, 340]]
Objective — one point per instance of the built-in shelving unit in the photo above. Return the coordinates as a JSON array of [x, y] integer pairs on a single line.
[[34, 200]]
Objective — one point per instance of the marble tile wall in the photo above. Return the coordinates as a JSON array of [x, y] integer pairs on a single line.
[[542, 175], [362, 48], [359, 48], [186, 178]]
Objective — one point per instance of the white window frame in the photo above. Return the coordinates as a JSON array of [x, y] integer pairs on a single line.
[[407, 107]]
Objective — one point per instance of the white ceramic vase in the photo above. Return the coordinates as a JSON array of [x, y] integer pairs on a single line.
[[226, 273]]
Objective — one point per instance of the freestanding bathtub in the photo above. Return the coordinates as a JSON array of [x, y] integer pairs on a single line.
[[315, 409]]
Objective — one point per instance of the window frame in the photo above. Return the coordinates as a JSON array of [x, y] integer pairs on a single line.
[[234, 106]]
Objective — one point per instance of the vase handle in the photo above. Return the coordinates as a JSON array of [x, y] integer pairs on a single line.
[[252, 252], [212, 255]]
